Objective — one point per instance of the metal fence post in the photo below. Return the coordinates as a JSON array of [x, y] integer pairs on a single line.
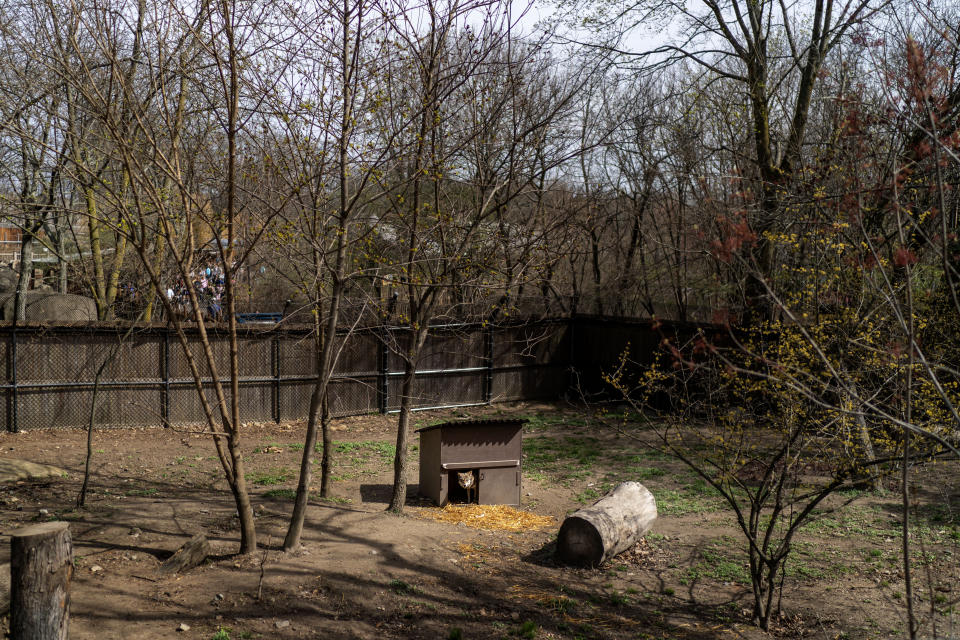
[[383, 368], [12, 376], [488, 357], [275, 371], [165, 372], [572, 364]]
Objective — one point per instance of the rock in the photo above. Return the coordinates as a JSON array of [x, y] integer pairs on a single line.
[[135, 532], [183, 627], [514, 615], [192, 553], [219, 596], [282, 624], [96, 569]]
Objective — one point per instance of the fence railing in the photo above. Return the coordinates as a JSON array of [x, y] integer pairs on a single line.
[[145, 378], [50, 372]]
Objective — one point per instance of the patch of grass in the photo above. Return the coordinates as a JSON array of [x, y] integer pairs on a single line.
[[543, 421], [644, 473], [672, 502], [561, 605], [717, 566], [528, 630], [800, 570], [295, 446], [566, 457], [455, 634], [276, 476], [938, 514], [850, 521], [223, 633], [336, 500], [367, 448], [591, 494], [403, 588], [283, 494], [653, 455]]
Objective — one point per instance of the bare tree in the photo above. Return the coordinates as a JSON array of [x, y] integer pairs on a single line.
[[161, 194]]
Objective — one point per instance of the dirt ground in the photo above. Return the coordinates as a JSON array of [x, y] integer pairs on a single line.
[[364, 573]]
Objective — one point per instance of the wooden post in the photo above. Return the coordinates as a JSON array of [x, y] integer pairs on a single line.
[[41, 567]]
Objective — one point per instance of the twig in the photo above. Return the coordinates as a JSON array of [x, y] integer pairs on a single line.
[[263, 565]]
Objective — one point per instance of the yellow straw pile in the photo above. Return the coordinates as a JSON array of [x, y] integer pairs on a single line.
[[492, 517]]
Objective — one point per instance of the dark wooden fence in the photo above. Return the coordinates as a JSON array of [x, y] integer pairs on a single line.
[[49, 375], [50, 371]]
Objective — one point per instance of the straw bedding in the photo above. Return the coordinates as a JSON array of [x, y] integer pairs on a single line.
[[492, 517]]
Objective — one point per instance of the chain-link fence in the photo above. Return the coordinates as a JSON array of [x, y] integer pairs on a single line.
[[142, 376]]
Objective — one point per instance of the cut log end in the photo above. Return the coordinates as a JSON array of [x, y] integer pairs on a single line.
[[40, 531], [616, 522], [579, 542]]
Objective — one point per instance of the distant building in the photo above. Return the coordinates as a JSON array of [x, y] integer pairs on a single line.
[[9, 243]]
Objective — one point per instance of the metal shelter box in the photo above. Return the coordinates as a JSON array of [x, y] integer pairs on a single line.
[[490, 448]]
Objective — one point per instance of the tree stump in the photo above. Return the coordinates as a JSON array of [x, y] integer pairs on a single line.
[[193, 552], [612, 525], [41, 568], [4, 588]]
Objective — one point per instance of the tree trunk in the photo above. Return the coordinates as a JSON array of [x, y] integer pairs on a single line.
[[23, 282], [612, 525], [326, 460], [298, 516], [399, 497], [326, 361], [64, 266], [248, 526], [41, 568]]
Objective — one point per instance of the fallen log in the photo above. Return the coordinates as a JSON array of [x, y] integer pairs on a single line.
[[613, 524], [193, 552]]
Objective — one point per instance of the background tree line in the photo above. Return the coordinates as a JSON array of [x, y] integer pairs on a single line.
[[789, 170]]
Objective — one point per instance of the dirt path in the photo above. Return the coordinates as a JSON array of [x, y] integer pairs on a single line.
[[364, 573]]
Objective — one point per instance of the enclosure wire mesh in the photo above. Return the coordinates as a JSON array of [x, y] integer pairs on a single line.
[[143, 376]]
